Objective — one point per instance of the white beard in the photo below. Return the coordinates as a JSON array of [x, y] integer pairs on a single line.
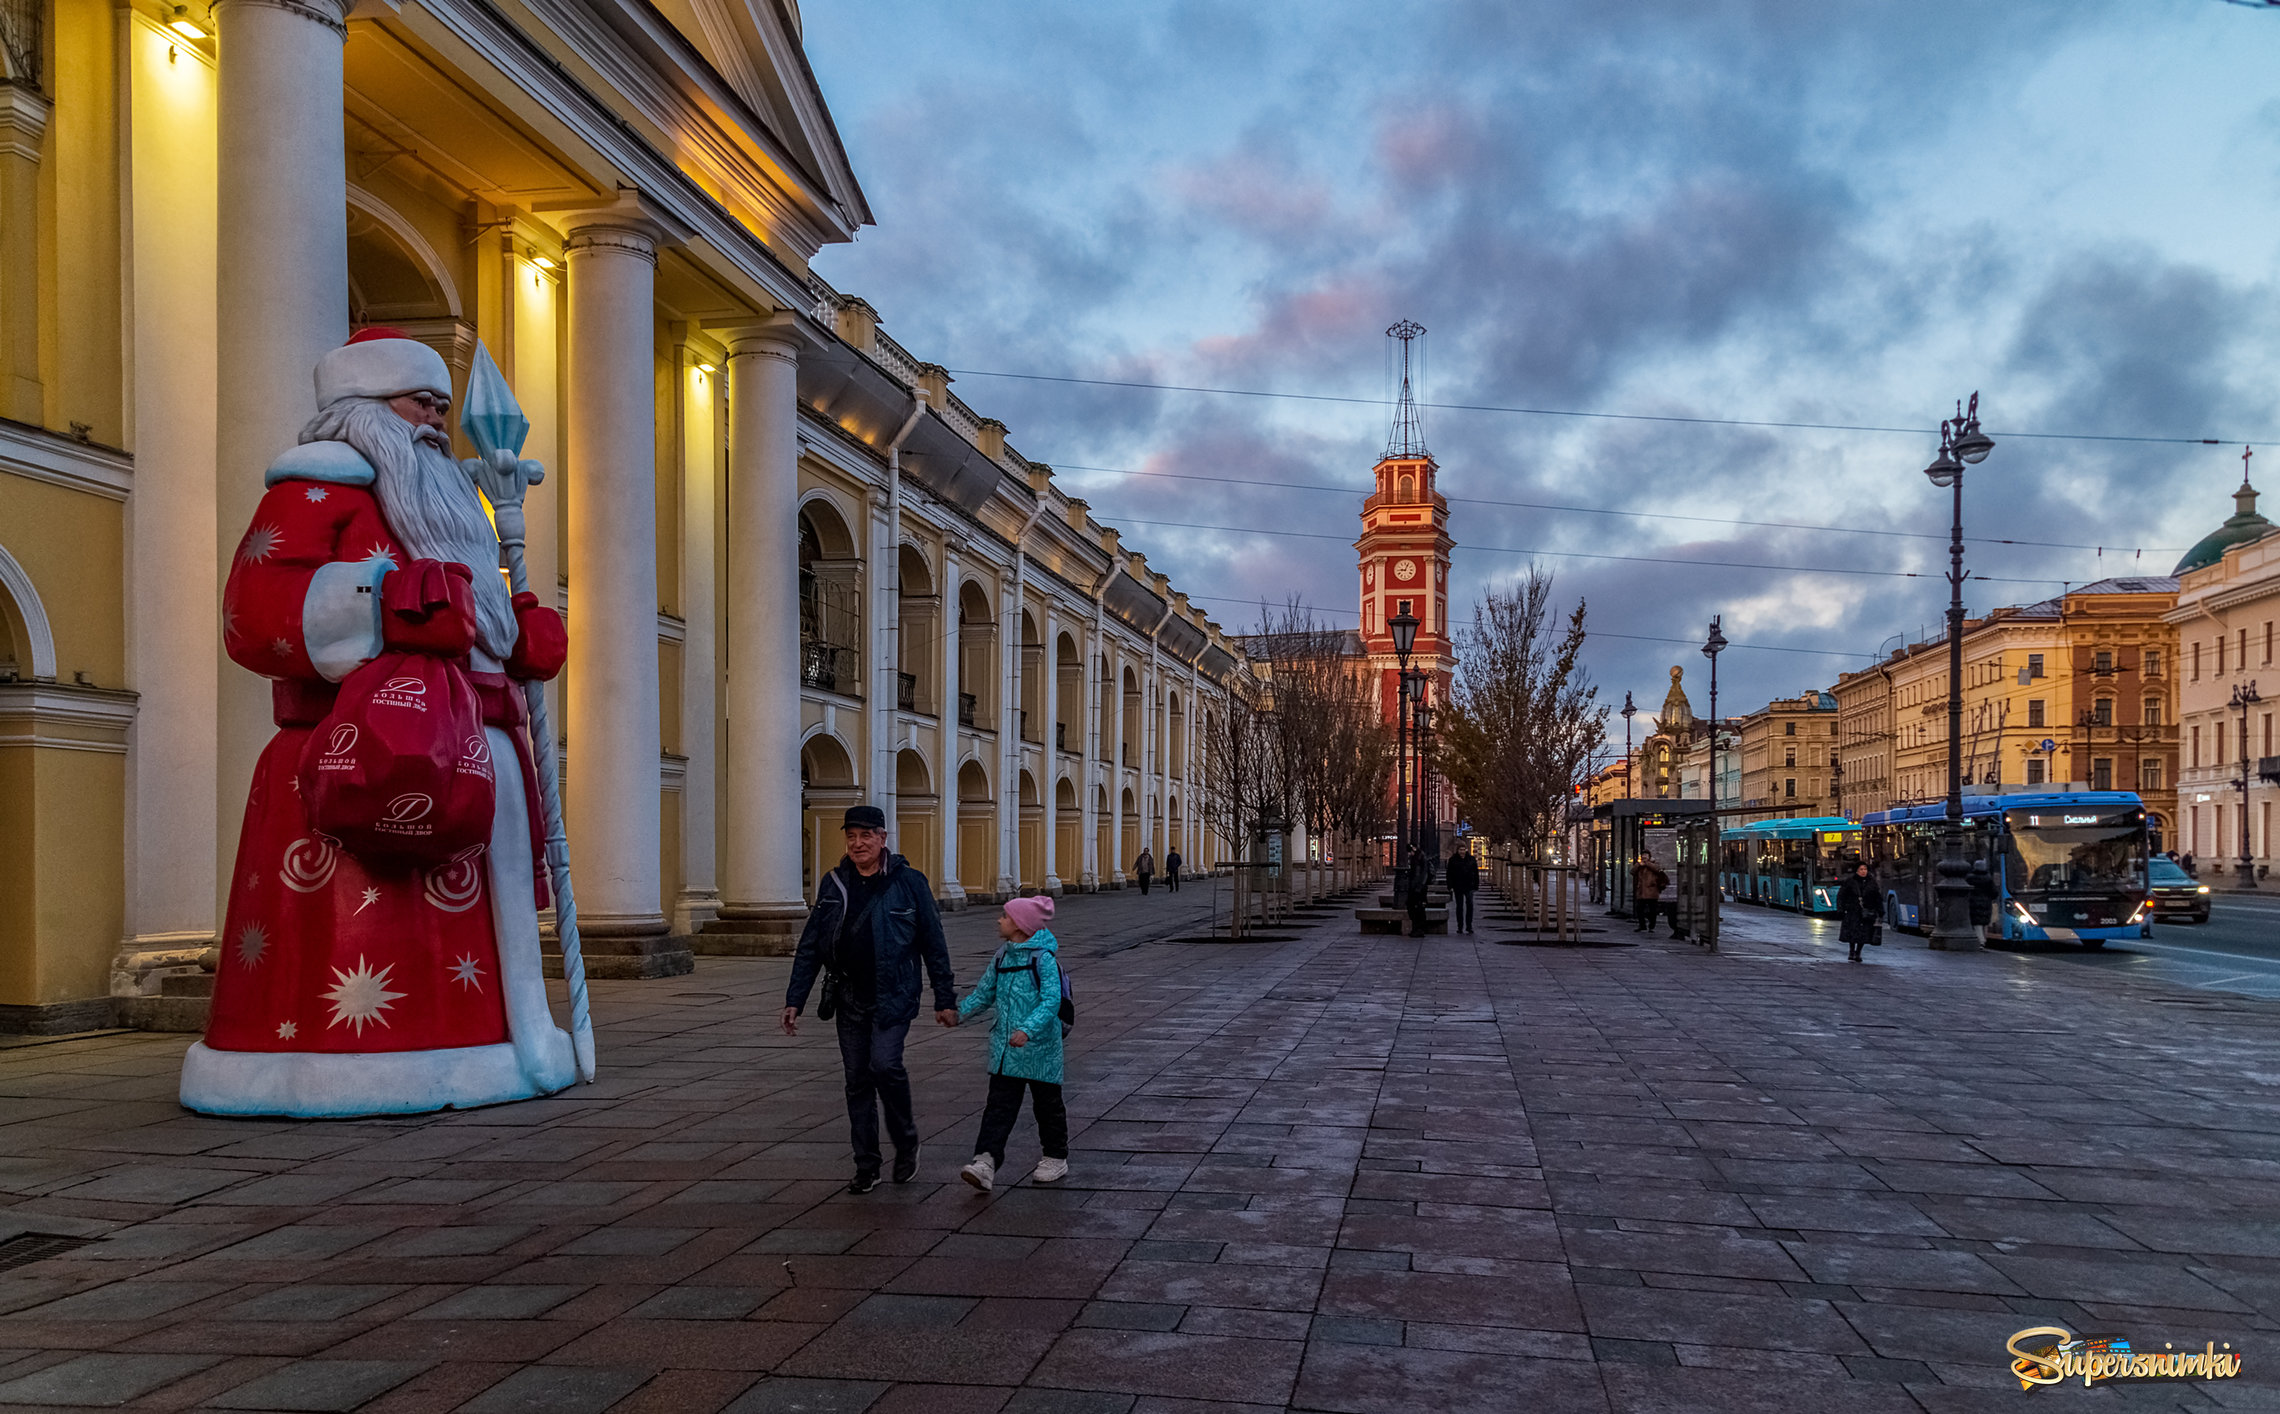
[[428, 501]]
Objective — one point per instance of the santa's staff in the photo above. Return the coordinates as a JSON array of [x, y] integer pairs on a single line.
[[494, 422]]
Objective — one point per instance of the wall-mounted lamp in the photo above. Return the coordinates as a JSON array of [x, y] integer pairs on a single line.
[[704, 368], [543, 262], [181, 23]]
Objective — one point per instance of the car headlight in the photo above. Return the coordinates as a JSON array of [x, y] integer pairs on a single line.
[[2204, 888]]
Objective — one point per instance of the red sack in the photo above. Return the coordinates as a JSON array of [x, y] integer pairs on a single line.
[[401, 767]]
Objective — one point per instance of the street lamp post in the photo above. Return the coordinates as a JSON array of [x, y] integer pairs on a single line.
[[1961, 444], [1630, 710], [1421, 733], [1712, 646], [2244, 696], [1404, 629]]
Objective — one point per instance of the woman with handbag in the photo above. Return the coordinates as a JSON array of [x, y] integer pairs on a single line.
[[1860, 910]]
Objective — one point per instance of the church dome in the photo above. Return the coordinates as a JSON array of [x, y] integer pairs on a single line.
[[2241, 527]]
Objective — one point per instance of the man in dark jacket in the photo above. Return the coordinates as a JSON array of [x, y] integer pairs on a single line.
[[1172, 866], [1463, 874], [1416, 883], [873, 926], [1647, 882]]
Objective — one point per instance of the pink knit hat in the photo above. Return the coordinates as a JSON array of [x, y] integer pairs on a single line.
[[1030, 914]]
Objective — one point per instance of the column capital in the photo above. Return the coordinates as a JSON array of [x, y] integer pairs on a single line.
[[332, 14], [626, 220], [23, 117], [779, 334]]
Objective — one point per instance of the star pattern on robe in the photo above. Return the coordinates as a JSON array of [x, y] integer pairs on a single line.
[[316, 493], [468, 972], [252, 943], [371, 895], [281, 647], [360, 996], [378, 552], [260, 543], [287, 1030]]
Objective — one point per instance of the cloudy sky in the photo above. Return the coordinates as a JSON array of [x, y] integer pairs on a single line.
[[1782, 211]]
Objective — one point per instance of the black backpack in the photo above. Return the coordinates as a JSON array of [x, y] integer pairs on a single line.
[[1068, 993]]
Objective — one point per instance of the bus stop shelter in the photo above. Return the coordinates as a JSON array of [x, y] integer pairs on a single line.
[[1622, 830]]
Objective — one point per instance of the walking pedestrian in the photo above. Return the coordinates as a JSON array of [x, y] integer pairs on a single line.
[[1463, 874], [1172, 866], [1647, 884], [873, 927], [1144, 868], [1416, 881], [1860, 910], [2187, 865], [1023, 981]]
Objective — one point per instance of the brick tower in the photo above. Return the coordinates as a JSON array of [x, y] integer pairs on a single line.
[[1404, 553]]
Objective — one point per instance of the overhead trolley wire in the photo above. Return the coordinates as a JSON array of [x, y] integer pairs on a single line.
[[1580, 413], [1641, 515], [1589, 633], [1626, 559]]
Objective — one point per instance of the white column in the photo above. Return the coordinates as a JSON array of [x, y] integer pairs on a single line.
[[760, 868], [1089, 776], [700, 401], [947, 888], [1112, 871], [1047, 786], [173, 578], [281, 298], [1010, 645], [612, 698], [883, 683]]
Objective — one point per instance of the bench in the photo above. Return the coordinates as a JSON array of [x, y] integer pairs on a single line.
[[1390, 920]]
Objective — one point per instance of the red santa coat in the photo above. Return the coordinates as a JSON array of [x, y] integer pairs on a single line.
[[352, 986]]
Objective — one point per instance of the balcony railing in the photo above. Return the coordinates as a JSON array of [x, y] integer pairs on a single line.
[[20, 38], [1060, 736], [828, 667], [967, 704], [1026, 734], [906, 691], [2268, 769]]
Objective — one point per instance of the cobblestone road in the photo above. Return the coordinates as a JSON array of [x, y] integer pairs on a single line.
[[1333, 1173]]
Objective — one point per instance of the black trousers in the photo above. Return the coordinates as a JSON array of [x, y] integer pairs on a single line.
[[872, 1056], [1648, 909], [1172, 880], [1144, 878], [1416, 906], [1004, 1107], [1460, 910]]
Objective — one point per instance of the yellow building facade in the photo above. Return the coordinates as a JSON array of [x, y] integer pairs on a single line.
[[2228, 687], [797, 569], [2075, 692], [1787, 750]]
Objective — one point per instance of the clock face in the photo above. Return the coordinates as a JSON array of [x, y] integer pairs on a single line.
[[1369, 574], [1404, 570]]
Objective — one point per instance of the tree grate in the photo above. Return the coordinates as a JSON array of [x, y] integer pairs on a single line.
[[35, 1246]]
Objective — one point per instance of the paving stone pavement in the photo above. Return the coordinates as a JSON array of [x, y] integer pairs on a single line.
[[1331, 1174]]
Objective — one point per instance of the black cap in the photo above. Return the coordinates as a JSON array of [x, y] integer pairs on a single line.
[[864, 817]]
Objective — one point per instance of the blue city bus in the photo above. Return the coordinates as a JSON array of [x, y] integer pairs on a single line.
[[2051, 866], [1794, 864]]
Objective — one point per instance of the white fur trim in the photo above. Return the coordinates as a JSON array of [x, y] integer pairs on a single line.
[[335, 1085], [335, 462], [535, 1060], [340, 618], [381, 368], [544, 1048]]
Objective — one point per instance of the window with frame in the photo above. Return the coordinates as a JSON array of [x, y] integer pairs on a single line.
[[2196, 660], [2034, 665], [2153, 662], [1789, 729], [2034, 770], [2102, 662], [2102, 712], [2035, 712], [2195, 736], [2151, 710], [2149, 773], [2102, 773], [1789, 787]]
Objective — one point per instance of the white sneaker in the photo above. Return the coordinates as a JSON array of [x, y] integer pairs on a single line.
[[1050, 1171], [982, 1172]]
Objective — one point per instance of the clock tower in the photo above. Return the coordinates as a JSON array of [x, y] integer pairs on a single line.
[[1404, 548]]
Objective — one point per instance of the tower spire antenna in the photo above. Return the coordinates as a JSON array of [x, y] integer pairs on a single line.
[[1408, 436]]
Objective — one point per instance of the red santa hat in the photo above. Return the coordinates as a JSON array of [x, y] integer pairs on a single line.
[[381, 363]]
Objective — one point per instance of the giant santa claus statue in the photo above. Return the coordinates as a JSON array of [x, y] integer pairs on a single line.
[[355, 985]]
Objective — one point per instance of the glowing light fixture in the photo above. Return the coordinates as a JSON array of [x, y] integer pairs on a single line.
[[181, 24], [543, 262], [704, 368]]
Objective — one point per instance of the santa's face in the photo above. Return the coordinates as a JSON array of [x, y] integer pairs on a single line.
[[422, 409]]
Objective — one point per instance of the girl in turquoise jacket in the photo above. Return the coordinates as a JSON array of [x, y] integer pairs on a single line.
[[1023, 981]]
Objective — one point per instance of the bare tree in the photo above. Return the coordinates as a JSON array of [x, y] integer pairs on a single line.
[[1333, 752], [1240, 766], [1523, 716]]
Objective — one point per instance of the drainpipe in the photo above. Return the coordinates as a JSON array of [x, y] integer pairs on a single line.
[[887, 695]]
